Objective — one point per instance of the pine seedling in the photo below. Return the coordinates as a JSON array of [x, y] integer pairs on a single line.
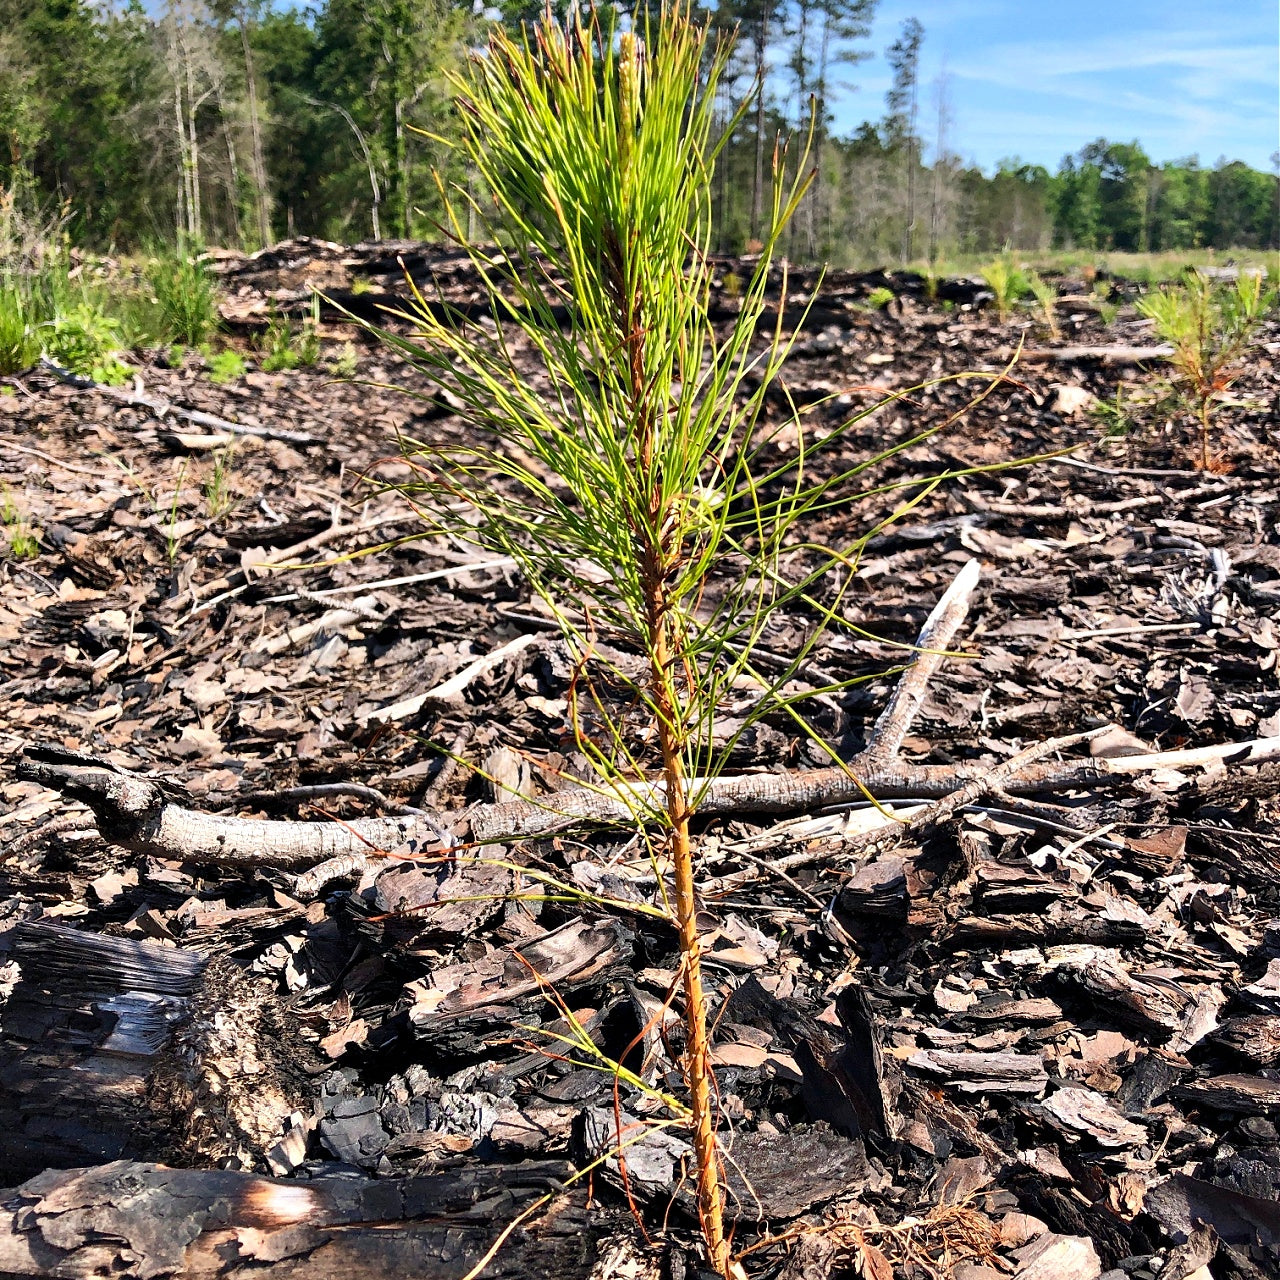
[[617, 449], [1047, 298], [1210, 331], [1007, 285]]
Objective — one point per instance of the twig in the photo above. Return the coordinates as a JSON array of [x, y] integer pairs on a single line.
[[165, 409]]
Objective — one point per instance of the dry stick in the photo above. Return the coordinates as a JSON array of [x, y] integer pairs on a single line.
[[164, 409], [358, 610], [221, 588], [894, 722], [136, 814], [1109, 355]]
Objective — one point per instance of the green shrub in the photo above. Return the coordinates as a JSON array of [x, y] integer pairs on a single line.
[[85, 340], [879, 298], [186, 297]]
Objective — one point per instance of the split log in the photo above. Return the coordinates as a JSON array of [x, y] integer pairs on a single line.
[[144, 1220], [113, 1048]]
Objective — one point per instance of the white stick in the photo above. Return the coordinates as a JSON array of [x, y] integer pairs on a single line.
[[452, 688]]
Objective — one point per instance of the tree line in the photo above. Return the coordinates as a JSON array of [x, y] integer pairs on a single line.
[[240, 121]]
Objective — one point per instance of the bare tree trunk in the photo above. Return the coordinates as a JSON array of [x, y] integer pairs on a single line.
[[233, 184], [913, 163], [757, 185], [195, 221], [262, 196]]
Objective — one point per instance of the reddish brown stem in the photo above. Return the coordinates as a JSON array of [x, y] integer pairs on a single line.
[[698, 1050]]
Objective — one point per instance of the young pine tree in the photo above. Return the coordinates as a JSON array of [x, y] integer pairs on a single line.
[[615, 444]]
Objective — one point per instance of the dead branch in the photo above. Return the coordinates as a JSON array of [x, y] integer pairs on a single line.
[[1109, 355], [163, 409], [136, 814]]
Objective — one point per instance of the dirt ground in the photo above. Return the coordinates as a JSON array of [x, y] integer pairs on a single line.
[[1074, 1002]]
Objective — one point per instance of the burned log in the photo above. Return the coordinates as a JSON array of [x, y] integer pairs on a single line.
[[145, 1220], [113, 1048]]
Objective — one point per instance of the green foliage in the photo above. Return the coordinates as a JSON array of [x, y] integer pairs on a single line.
[[1210, 330], [353, 112], [879, 298], [22, 541], [285, 348], [1007, 284], [226, 367], [185, 295]]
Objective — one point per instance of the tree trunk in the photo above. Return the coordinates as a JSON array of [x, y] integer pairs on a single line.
[[757, 185], [262, 196]]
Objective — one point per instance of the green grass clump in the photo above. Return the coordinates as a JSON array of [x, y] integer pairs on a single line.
[[879, 298], [19, 342], [285, 348], [345, 363], [218, 495], [185, 295], [22, 541], [226, 367]]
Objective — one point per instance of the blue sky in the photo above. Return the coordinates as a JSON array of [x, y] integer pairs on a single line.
[[1040, 78]]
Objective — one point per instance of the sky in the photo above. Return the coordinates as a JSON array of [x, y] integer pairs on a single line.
[[1040, 78]]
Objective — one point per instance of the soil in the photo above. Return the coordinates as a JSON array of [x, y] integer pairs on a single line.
[[1066, 1012]]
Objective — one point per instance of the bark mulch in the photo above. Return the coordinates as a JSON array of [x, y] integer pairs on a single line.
[[1036, 1035]]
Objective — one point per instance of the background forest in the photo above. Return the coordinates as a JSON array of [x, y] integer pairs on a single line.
[[237, 122]]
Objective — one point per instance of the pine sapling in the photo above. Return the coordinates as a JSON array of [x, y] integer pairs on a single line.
[[614, 443]]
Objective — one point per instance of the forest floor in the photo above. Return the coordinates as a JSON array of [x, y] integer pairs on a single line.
[[1040, 1038]]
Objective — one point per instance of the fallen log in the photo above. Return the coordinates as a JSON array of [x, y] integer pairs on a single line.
[[115, 1048], [144, 1220]]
